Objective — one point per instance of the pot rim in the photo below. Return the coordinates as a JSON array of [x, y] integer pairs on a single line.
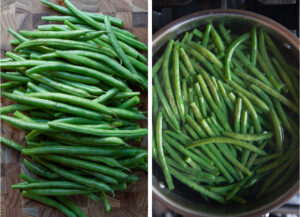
[[270, 24]]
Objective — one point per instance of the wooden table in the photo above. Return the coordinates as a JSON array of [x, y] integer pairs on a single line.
[[26, 14]]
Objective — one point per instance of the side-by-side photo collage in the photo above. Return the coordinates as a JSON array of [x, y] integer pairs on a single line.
[[149, 108]]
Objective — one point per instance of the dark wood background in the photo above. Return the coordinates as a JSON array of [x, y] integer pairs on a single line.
[[26, 14]]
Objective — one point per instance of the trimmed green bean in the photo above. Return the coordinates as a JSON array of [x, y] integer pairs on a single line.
[[159, 143]]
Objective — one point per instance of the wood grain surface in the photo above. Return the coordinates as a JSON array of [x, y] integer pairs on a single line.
[[26, 14]]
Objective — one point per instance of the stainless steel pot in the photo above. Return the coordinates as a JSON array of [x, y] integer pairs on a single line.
[[182, 199]]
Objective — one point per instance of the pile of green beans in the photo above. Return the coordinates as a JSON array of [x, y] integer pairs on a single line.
[[74, 82], [226, 122]]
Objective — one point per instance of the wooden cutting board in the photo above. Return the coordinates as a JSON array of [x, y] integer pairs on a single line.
[[26, 14]]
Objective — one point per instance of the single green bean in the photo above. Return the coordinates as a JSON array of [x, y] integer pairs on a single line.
[[229, 141], [159, 143]]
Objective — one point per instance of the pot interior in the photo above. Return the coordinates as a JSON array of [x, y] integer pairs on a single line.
[[183, 199]]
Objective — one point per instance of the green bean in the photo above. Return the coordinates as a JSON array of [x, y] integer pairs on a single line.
[[184, 139], [121, 53], [217, 40], [59, 86], [159, 143], [206, 165], [276, 52], [103, 151], [120, 35], [95, 16], [25, 63], [204, 61], [164, 101], [80, 70], [109, 94], [98, 132], [87, 140], [176, 82], [253, 113], [174, 155], [270, 91], [237, 188], [48, 201], [134, 161], [36, 88], [73, 177], [268, 72], [255, 71], [62, 18], [278, 130], [71, 205], [237, 115], [195, 126], [185, 96], [65, 44], [196, 111], [253, 46], [186, 61], [77, 59], [207, 53], [220, 116], [283, 117], [53, 27], [248, 137], [212, 88], [198, 33], [229, 141], [23, 39], [25, 125], [49, 184], [100, 25], [190, 98], [125, 95], [266, 158], [262, 95], [74, 100], [17, 78], [29, 179], [275, 175], [156, 67], [11, 144], [244, 121], [230, 52], [287, 80], [205, 38], [39, 170], [138, 65], [224, 33], [287, 155], [105, 201], [48, 104], [196, 187], [288, 173], [184, 71], [130, 103], [213, 131], [13, 42], [127, 48], [168, 120], [10, 84], [267, 60], [77, 163], [200, 174], [166, 78], [74, 77], [54, 34], [8, 59]]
